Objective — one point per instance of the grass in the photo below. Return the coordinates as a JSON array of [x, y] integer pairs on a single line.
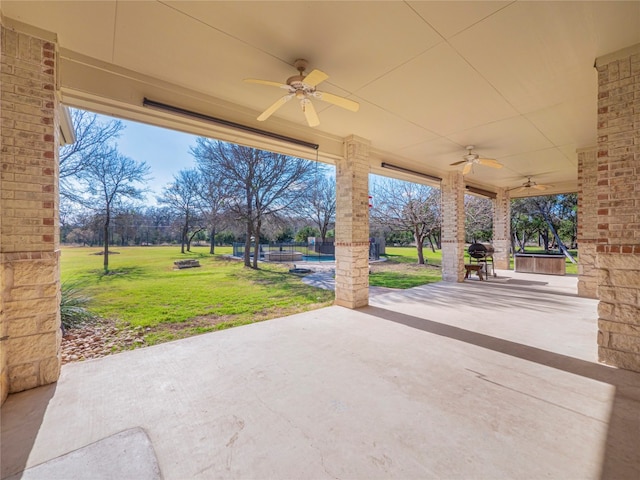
[[401, 270], [410, 255], [143, 290]]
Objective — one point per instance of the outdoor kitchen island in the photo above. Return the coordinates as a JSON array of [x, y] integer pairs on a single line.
[[546, 263]]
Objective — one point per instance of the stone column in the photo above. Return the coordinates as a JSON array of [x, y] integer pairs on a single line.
[[29, 273], [502, 229], [352, 224], [618, 199], [452, 190], [587, 222]]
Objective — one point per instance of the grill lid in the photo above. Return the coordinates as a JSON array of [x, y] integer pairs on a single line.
[[480, 250]]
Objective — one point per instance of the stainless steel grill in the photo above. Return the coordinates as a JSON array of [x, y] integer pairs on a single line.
[[482, 254]]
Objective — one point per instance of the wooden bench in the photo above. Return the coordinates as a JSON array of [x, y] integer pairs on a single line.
[[187, 263], [473, 268]]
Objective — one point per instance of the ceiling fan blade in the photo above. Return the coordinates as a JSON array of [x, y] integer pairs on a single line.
[[315, 77], [467, 168], [266, 82], [457, 163], [339, 101], [270, 111], [519, 189], [540, 187], [310, 113], [489, 162]]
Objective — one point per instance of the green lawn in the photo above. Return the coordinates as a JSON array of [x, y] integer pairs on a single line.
[[410, 255], [401, 270], [143, 289]]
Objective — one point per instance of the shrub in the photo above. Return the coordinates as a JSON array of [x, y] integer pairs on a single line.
[[73, 311]]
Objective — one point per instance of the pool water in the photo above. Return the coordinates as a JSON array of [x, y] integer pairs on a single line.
[[317, 258]]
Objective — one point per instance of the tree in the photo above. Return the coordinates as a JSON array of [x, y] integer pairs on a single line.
[[321, 208], [182, 196], [478, 224], [260, 184], [304, 233], [214, 193], [93, 139], [404, 206], [541, 215], [108, 180]]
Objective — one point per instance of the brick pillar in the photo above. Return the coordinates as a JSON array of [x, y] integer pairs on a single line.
[[452, 190], [618, 212], [352, 224], [502, 229], [587, 222], [29, 273]]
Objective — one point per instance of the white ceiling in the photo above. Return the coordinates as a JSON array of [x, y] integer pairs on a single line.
[[516, 79]]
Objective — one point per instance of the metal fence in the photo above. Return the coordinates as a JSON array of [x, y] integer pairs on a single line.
[[298, 251]]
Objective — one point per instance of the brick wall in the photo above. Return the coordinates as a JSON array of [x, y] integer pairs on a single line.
[[452, 191], [29, 271], [352, 225], [587, 222], [502, 229], [618, 212]]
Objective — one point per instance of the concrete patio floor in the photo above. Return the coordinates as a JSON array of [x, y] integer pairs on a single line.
[[486, 380]]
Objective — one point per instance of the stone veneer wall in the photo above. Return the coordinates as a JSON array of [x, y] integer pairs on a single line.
[[29, 272], [618, 212], [452, 191], [352, 225], [502, 229], [587, 222]]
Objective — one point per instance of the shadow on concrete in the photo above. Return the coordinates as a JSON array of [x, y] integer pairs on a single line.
[[19, 432], [622, 454], [481, 294]]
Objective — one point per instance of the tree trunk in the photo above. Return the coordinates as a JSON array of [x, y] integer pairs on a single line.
[[212, 248], [256, 249], [105, 259], [561, 245], [419, 243], [247, 245]]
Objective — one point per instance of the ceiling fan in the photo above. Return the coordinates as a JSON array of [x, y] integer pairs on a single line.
[[303, 87], [470, 159], [529, 184]]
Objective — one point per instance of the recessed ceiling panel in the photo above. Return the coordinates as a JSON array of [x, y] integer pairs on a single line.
[[504, 137], [440, 92], [574, 121], [155, 40], [348, 40], [84, 27], [385, 130], [449, 18], [539, 54]]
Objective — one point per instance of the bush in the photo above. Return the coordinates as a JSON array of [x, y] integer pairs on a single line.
[[73, 311]]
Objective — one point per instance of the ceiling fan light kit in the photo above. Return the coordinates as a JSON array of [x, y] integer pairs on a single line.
[[528, 185], [470, 159], [303, 88]]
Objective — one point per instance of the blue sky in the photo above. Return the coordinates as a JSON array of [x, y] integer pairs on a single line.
[[165, 151]]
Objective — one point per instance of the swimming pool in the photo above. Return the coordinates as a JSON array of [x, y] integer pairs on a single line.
[[319, 258]]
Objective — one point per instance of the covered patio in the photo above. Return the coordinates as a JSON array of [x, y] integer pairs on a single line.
[[458, 379], [494, 379]]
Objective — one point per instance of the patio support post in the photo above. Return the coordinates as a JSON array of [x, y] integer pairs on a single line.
[[502, 229], [29, 271], [618, 216], [352, 224], [452, 191], [587, 222]]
